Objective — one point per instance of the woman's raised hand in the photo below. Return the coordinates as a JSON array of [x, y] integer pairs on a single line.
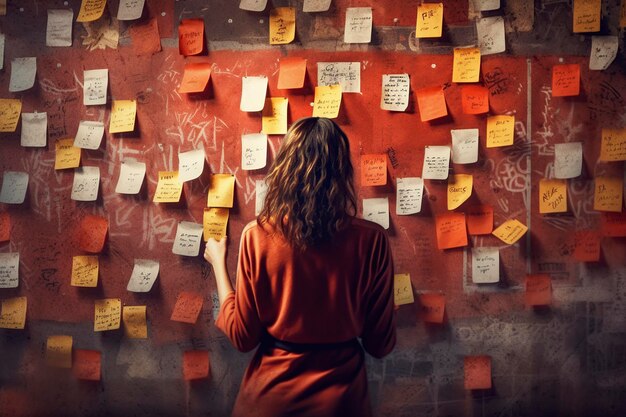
[[215, 251]]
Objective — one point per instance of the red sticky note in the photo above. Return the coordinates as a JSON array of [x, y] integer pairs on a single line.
[[477, 372], [432, 103], [373, 169], [480, 219], [87, 364], [195, 364], [5, 227], [145, 38], [93, 232], [292, 72], [475, 99], [587, 246], [195, 77], [565, 80], [614, 224], [187, 307], [432, 307], [538, 290], [451, 230], [190, 36]]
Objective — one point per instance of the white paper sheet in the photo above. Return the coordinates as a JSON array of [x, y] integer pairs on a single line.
[[86, 183], [358, 25], [59, 28], [260, 192], [436, 162], [485, 5], [89, 134], [190, 165], [14, 186], [188, 238], [253, 151], [395, 92], [346, 74], [603, 52], [253, 92], [568, 160], [131, 177], [312, 6], [377, 211], [145, 273], [485, 265], [464, 146], [34, 130], [95, 87], [409, 192], [253, 5], [9, 269], [23, 72], [491, 35], [130, 9]]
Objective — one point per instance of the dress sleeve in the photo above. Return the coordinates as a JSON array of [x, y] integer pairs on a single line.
[[379, 332], [238, 317]]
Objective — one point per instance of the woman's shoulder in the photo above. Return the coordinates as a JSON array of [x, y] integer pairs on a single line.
[[366, 226]]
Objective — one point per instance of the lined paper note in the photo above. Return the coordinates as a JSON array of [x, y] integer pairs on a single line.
[[568, 160], [10, 110], [135, 325], [195, 77], [9, 269], [169, 188], [215, 222], [123, 114], [274, 116], [510, 231], [282, 25], [85, 271], [253, 91], [429, 20], [586, 15], [395, 92], [253, 151], [538, 290], [608, 194], [402, 289], [475, 99], [260, 188], [131, 177], [108, 314], [491, 35], [459, 189], [87, 364], [190, 36], [86, 183], [500, 131], [466, 65], [187, 307], [221, 191], [253, 5], [373, 170], [145, 273], [552, 196], [316, 5], [485, 265], [187, 240], [93, 233], [327, 101], [13, 313], [409, 192], [59, 351], [190, 165], [346, 74], [195, 364], [377, 210], [14, 186], [479, 219], [432, 307], [464, 146], [95, 86], [67, 155], [477, 372], [59, 28], [89, 134], [23, 72], [565, 80], [292, 73], [451, 230], [130, 9], [358, 25], [613, 147], [603, 52], [91, 10], [34, 130], [436, 162], [431, 102]]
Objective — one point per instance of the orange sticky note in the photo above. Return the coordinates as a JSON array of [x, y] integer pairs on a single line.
[[510, 231], [67, 155], [586, 14], [169, 189], [87, 364], [565, 80], [429, 20], [134, 318], [432, 307], [373, 170], [451, 230], [538, 290], [191, 36], [5, 227], [13, 313], [552, 196], [500, 131], [221, 191], [85, 271], [215, 222], [195, 364], [466, 65], [587, 246], [475, 99], [93, 233], [91, 10], [459, 189], [59, 351], [195, 77], [613, 147], [187, 307], [123, 114], [291, 73], [274, 116], [479, 219], [327, 101], [614, 224], [108, 313], [282, 25], [477, 372], [10, 111], [432, 103], [608, 194]]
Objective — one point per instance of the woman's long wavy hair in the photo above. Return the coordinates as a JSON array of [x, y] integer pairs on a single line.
[[310, 190]]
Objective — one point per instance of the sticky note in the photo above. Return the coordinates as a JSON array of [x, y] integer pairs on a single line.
[[346, 74], [253, 5], [358, 25], [568, 160], [253, 151], [608, 194], [93, 233], [123, 114], [477, 372], [187, 307], [310, 6], [436, 162], [459, 189], [475, 99], [221, 190], [402, 289], [13, 313], [87, 364], [190, 164], [282, 25], [253, 91], [429, 20], [432, 307], [586, 14], [538, 290], [373, 170], [464, 146], [86, 183], [431, 102], [59, 28], [484, 5], [23, 72], [10, 110], [291, 73], [260, 191], [215, 221], [108, 314], [552, 196], [195, 77], [274, 116], [145, 273], [130, 9], [409, 192], [327, 101], [134, 318], [451, 230], [479, 219], [395, 92], [5, 226], [587, 246], [89, 134], [131, 176], [565, 80], [67, 155], [85, 271], [613, 147], [500, 131], [614, 224], [195, 364], [169, 188], [510, 231], [14, 186], [466, 65], [9, 269], [485, 265], [491, 35], [190, 36], [377, 210], [59, 351], [95, 86], [91, 10], [145, 37], [603, 51], [187, 240]]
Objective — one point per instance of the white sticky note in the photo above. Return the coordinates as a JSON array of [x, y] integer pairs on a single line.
[[89, 134], [603, 52], [190, 165], [14, 186], [253, 5], [253, 91], [409, 192], [260, 192], [23, 72], [59, 29], [34, 130], [188, 238], [2, 41], [95, 87], [395, 92], [436, 162], [145, 273], [9, 269], [491, 35], [568, 160], [313, 6], [253, 151], [86, 183], [130, 9], [485, 5], [358, 25], [346, 74], [377, 210], [485, 265], [131, 177], [464, 146]]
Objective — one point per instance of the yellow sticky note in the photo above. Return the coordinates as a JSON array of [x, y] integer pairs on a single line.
[[91, 10], [613, 146], [459, 189], [282, 25], [215, 220], [108, 314], [466, 66], [169, 189], [135, 326], [85, 271], [552, 196], [67, 155], [500, 131], [587, 15], [123, 114], [221, 190], [510, 231], [429, 20], [13, 313], [327, 101], [10, 110], [402, 289], [59, 351], [274, 121], [608, 194]]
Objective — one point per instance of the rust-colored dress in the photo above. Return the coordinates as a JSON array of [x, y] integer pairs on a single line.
[[323, 295]]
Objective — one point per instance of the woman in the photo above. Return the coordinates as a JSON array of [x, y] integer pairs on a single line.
[[311, 279]]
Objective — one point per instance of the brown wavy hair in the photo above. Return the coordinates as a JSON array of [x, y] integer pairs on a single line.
[[310, 183]]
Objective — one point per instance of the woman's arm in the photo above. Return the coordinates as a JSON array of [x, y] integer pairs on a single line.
[[215, 254]]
